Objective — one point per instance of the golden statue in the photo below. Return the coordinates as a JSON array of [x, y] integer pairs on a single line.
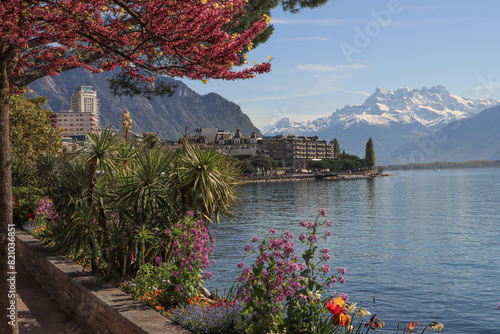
[[126, 123]]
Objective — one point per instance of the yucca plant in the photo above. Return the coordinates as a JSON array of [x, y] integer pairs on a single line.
[[100, 154], [47, 167], [205, 181]]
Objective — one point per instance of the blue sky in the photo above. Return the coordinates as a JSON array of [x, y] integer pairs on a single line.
[[338, 54]]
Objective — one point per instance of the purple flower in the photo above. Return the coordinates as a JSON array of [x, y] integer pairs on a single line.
[[313, 238], [190, 213], [158, 260], [175, 274], [325, 268], [342, 280], [345, 297], [248, 248], [240, 265], [208, 275], [247, 270], [326, 257]]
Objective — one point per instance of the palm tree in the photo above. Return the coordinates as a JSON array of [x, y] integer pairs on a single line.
[[206, 182], [100, 153], [70, 186], [144, 200], [47, 167]]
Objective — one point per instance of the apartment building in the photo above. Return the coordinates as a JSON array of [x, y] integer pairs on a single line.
[[83, 116], [292, 151]]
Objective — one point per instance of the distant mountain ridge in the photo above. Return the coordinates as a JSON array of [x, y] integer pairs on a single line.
[[474, 138], [169, 116], [391, 118]]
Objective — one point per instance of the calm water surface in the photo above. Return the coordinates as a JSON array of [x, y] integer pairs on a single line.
[[427, 243]]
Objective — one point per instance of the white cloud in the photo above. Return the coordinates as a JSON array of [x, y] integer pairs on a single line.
[[311, 21], [301, 39], [295, 96], [329, 68]]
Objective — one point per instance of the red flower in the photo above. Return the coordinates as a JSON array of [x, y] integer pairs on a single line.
[[339, 313], [410, 327], [373, 325]]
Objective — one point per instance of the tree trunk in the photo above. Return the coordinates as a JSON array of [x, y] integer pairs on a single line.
[[8, 322], [90, 180]]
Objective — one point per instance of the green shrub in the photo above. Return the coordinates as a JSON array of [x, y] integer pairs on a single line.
[[25, 203]]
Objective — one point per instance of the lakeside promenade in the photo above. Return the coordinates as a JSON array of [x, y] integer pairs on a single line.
[[308, 176], [37, 311]]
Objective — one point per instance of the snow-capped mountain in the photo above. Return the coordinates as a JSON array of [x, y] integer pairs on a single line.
[[391, 118], [433, 107]]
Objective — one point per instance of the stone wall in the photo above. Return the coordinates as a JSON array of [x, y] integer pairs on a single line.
[[92, 303]]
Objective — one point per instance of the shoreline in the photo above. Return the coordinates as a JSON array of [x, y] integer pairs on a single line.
[[302, 177]]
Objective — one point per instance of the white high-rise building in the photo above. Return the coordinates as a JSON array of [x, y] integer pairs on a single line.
[[84, 114], [84, 99]]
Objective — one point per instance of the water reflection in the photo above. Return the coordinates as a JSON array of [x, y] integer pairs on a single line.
[[422, 238]]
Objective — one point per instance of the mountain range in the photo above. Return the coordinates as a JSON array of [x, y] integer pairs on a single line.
[[473, 138], [391, 118], [169, 116]]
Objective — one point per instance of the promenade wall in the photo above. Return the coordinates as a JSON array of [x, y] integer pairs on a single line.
[[94, 304]]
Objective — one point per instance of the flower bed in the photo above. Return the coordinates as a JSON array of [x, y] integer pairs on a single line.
[[280, 292], [91, 302]]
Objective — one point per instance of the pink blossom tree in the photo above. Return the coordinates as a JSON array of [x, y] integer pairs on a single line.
[[143, 38]]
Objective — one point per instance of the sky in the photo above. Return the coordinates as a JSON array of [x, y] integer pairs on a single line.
[[338, 54]]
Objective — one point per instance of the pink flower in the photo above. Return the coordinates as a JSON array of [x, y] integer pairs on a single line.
[[272, 230], [248, 248], [313, 238], [328, 223], [322, 212], [240, 265], [303, 237], [342, 270], [325, 268], [255, 238]]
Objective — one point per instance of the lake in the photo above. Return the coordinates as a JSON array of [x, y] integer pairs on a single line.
[[426, 243]]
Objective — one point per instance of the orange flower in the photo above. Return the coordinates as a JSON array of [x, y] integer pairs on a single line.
[[190, 301], [344, 319], [160, 308], [158, 292], [410, 327]]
